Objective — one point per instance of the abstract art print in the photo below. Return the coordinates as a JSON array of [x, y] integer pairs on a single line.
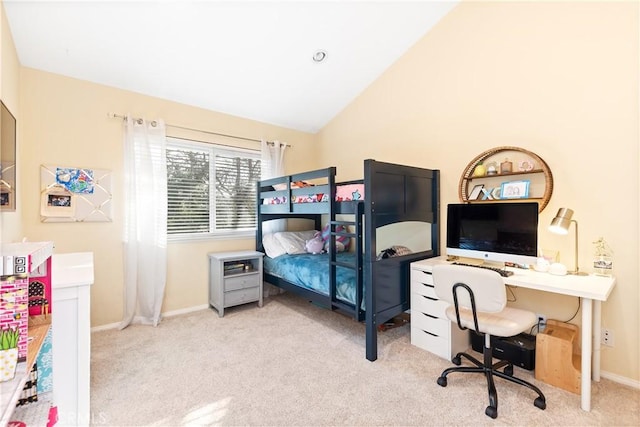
[[75, 180]]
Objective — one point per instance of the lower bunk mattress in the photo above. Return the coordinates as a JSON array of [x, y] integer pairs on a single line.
[[311, 271]]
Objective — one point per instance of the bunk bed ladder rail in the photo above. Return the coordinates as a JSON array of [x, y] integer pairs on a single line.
[[358, 263]]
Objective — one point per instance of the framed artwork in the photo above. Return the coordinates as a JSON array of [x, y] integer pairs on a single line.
[[73, 194], [514, 190]]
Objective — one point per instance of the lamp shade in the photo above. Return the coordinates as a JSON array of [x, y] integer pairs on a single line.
[[560, 224]]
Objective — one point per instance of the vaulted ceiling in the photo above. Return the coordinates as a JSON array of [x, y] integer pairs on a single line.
[[249, 59]]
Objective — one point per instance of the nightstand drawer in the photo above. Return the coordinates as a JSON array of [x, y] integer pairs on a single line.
[[241, 296], [241, 282]]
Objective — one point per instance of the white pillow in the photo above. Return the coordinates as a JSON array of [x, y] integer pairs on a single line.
[[278, 187], [294, 242], [272, 246]]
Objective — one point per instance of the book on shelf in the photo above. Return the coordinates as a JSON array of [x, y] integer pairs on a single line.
[[237, 267]]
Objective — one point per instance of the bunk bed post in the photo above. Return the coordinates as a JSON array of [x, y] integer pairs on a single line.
[[332, 241], [371, 329], [435, 224], [259, 246], [359, 262]]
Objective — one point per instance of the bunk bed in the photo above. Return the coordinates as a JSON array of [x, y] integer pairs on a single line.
[[379, 288]]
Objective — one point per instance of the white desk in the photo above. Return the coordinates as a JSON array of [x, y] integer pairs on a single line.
[[591, 290]]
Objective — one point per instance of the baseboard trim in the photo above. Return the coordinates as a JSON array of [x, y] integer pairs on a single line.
[[136, 320], [185, 310], [620, 379], [105, 327]]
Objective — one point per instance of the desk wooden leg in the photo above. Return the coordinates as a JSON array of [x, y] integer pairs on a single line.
[[587, 328], [597, 331]]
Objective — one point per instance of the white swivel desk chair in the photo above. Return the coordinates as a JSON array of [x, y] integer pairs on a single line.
[[478, 301]]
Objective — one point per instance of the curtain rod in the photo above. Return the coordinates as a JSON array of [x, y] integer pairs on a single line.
[[123, 117]]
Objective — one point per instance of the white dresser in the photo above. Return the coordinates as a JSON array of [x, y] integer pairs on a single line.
[[431, 330], [72, 277]]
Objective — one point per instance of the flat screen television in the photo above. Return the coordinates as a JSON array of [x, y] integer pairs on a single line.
[[495, 232]]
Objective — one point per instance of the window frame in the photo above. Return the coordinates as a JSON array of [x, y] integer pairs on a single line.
[[212, 148]]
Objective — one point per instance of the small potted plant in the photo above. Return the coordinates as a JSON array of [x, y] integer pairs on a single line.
[[8, 353], [603, 257]]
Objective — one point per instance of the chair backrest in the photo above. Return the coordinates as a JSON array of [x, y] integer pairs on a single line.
[[488, 287]]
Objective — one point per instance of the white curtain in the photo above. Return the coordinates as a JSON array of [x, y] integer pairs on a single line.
[[271, 166], [145, 229]]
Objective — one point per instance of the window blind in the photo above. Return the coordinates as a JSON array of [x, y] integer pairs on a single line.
[[198, 204]]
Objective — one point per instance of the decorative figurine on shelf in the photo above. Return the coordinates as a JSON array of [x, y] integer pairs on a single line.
[[603, 260], [525, 165], [506, 166], [492, 168], [480, 170]]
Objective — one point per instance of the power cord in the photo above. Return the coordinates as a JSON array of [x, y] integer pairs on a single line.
[[538, 324], [574, 314]]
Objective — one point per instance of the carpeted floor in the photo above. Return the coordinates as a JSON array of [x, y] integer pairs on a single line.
[[290, 363]]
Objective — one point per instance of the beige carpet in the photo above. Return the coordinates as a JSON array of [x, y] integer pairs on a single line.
[[290, 363]]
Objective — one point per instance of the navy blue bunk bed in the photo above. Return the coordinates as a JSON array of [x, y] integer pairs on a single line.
[[392, 194]]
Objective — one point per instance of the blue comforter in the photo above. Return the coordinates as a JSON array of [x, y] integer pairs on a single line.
[[312, 272]]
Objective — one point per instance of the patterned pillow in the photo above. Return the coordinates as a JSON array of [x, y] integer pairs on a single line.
[[393, 251], [343, 240]]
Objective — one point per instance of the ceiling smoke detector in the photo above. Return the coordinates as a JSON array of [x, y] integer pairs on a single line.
[[319, 56]]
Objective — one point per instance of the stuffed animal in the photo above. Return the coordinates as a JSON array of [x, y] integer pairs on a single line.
[[342, 242], [315, 245]]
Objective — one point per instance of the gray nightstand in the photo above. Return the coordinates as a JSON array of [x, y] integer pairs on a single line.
[[234, 278]]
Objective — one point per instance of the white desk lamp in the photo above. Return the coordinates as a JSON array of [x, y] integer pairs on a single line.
[[560, 225]]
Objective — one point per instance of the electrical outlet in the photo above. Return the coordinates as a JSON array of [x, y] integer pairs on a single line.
[[606, 337], [542, 322]]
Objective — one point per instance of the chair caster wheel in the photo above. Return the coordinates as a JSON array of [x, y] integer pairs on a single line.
[[442, 381], [540, 403], [509, 370], [491, 412], [456, 361]]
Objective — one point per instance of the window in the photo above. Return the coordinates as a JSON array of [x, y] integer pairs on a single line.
[[196, 208]]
